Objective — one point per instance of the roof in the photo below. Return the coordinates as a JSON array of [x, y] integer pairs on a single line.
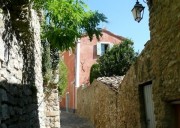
[[110, 33]]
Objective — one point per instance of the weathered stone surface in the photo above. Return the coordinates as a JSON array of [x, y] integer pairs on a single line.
[[3, 95], [159, 63], [112, 82], [20, 68], [98, 104], [52, 113], [3, 125], [52, 109], [5, 112]]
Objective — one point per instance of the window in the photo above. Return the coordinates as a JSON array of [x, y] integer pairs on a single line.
[[103, 47]]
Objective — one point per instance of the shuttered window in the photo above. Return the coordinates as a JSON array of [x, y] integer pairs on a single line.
[[102, 47]]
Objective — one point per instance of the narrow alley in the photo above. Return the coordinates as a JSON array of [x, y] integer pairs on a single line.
[[71, 120]]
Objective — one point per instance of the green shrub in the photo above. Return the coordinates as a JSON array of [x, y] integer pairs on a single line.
[[94, 72], [118, 60]]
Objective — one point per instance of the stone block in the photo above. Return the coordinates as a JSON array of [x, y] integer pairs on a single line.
[[11, 111], [57, 125], [3, 126], [12, 79], [12, 100], [52, 113], [27, 91], [4, 73], [1, 48], [5, 112], [13, 90], [3, 95], [13, 126], [19, 74]]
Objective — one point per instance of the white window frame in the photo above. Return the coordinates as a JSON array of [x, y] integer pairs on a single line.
[[101, 47]]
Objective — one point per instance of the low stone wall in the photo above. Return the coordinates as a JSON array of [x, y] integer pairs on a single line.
[[98, 103]]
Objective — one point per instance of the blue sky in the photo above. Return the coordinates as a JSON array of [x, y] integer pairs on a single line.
[[121, 21]]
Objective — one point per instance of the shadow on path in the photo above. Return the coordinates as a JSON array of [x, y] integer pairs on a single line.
[[71, 120]]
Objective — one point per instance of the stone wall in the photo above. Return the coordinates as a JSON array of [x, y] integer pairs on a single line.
[[18, 106], [158, 63], [98, 102], [21, 89], [52, 109]]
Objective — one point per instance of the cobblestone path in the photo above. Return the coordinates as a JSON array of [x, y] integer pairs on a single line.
[[71, 120]]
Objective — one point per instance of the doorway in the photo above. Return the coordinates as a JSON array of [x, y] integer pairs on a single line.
[[177, 115], [149, 106]]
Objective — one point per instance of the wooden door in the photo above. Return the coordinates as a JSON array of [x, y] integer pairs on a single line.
[[149, 106], [177, 112]]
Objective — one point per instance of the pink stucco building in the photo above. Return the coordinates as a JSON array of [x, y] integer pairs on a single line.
[[91, 50], [80, 62]]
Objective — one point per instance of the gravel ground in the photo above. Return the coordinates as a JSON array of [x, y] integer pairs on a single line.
[[71, 120]]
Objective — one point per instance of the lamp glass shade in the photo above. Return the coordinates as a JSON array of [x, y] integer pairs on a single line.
[[137, 12]]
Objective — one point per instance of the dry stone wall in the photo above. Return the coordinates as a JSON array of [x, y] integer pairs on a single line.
[[98, 102], [52, 109], [158, 63], [22, 100], [18, 106], [20, 72]]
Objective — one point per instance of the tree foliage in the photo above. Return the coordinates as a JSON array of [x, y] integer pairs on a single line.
[[94, 72], [67, 20], [64, 22], [63, 78], [118, 60], [46, 63]]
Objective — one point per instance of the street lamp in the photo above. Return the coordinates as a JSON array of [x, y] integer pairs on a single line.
[[138, 11]]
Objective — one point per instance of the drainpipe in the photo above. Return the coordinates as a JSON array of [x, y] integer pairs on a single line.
[[77, 71], [67, 101]]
